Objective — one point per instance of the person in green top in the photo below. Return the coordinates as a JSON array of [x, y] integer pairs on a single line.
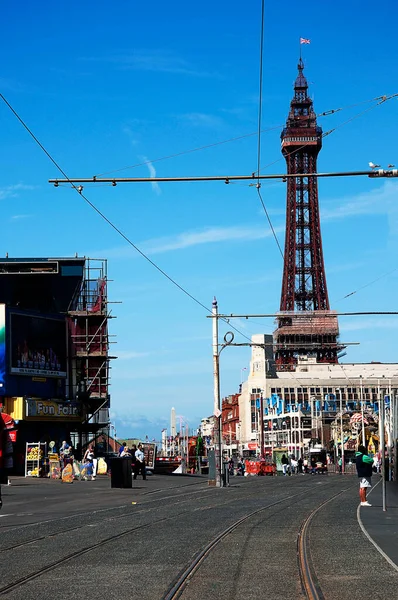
[[364, 465]]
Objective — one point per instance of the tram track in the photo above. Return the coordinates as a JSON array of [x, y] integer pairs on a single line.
[[97, 523], [14, 585], [310, 584], [309, 581], [12, 528]]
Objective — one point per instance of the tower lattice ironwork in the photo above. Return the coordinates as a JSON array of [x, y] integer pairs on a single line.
[[306, 326]]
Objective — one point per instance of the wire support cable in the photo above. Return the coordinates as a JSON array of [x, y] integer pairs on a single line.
[[379, 100], [325, 113], [107, 220]]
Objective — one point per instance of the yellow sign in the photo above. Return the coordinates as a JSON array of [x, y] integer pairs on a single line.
[[41, 379]]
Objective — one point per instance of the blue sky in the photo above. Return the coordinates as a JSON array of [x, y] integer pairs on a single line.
[[104, 85]]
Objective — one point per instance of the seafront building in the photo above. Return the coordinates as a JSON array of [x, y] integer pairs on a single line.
[[300, 406]]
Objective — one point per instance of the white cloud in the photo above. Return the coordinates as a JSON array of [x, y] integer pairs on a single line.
[[20, 217], [380, 201], [156, 60], [152, 173], [11, 191], [209, 235], [201, 119]]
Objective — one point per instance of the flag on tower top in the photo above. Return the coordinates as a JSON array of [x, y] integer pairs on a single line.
[[305, 41]]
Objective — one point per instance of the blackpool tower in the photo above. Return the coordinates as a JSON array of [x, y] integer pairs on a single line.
[[306, 327]]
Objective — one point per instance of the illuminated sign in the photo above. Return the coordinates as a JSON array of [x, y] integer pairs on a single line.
[[38, 346], [52, 410]]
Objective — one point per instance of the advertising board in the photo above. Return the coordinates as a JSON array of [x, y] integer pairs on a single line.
[[2, 347], [37, 345], [149, 451], [52, 410]]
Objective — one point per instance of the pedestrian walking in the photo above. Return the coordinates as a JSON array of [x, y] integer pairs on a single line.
[[284, 462], [300, 466], [313, 466], [340, 463], [293, 465], [140, 463], [305, 465], [364, 464]]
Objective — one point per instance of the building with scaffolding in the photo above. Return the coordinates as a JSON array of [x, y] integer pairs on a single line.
[[54, 351], [89, 347]]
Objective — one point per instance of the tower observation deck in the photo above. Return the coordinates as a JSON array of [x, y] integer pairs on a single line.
[[305, 325]]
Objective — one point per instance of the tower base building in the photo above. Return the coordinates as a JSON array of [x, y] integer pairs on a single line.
[[301, 405]]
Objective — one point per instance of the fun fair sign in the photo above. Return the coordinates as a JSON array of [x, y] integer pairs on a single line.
[[52, 410]]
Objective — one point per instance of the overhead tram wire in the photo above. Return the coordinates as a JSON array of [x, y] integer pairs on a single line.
[[260, 106], [367, 285], [110, 223], [325, 113], [382, 100]]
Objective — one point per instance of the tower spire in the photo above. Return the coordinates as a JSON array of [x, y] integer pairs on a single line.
[[304, 291]]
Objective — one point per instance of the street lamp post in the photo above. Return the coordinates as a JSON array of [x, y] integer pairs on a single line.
[[341, 430], [382, 448], [228, 338], [362, 413], [262, 426]]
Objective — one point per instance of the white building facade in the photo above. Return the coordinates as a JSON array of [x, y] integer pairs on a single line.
[[298, 399]]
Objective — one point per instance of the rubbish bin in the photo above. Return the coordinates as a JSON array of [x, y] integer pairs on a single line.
[[121, 476]]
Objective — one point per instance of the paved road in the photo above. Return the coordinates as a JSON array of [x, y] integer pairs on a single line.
[[134, 543]]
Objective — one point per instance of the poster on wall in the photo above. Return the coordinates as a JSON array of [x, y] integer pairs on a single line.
[[38, 346], [2, 348]]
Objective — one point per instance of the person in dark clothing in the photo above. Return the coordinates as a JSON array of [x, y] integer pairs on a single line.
[[284, 462], [139, 462], [364, 464], [300, 465], [313, 466]]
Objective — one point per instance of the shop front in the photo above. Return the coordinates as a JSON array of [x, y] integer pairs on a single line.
[[41, 425]]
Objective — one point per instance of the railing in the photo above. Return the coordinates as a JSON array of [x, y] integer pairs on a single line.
[[349, 469]]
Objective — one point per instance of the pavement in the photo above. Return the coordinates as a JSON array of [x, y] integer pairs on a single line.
[[134, 542], [381, 526]]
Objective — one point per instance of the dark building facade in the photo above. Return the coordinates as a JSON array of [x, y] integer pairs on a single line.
[[54, 349]]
